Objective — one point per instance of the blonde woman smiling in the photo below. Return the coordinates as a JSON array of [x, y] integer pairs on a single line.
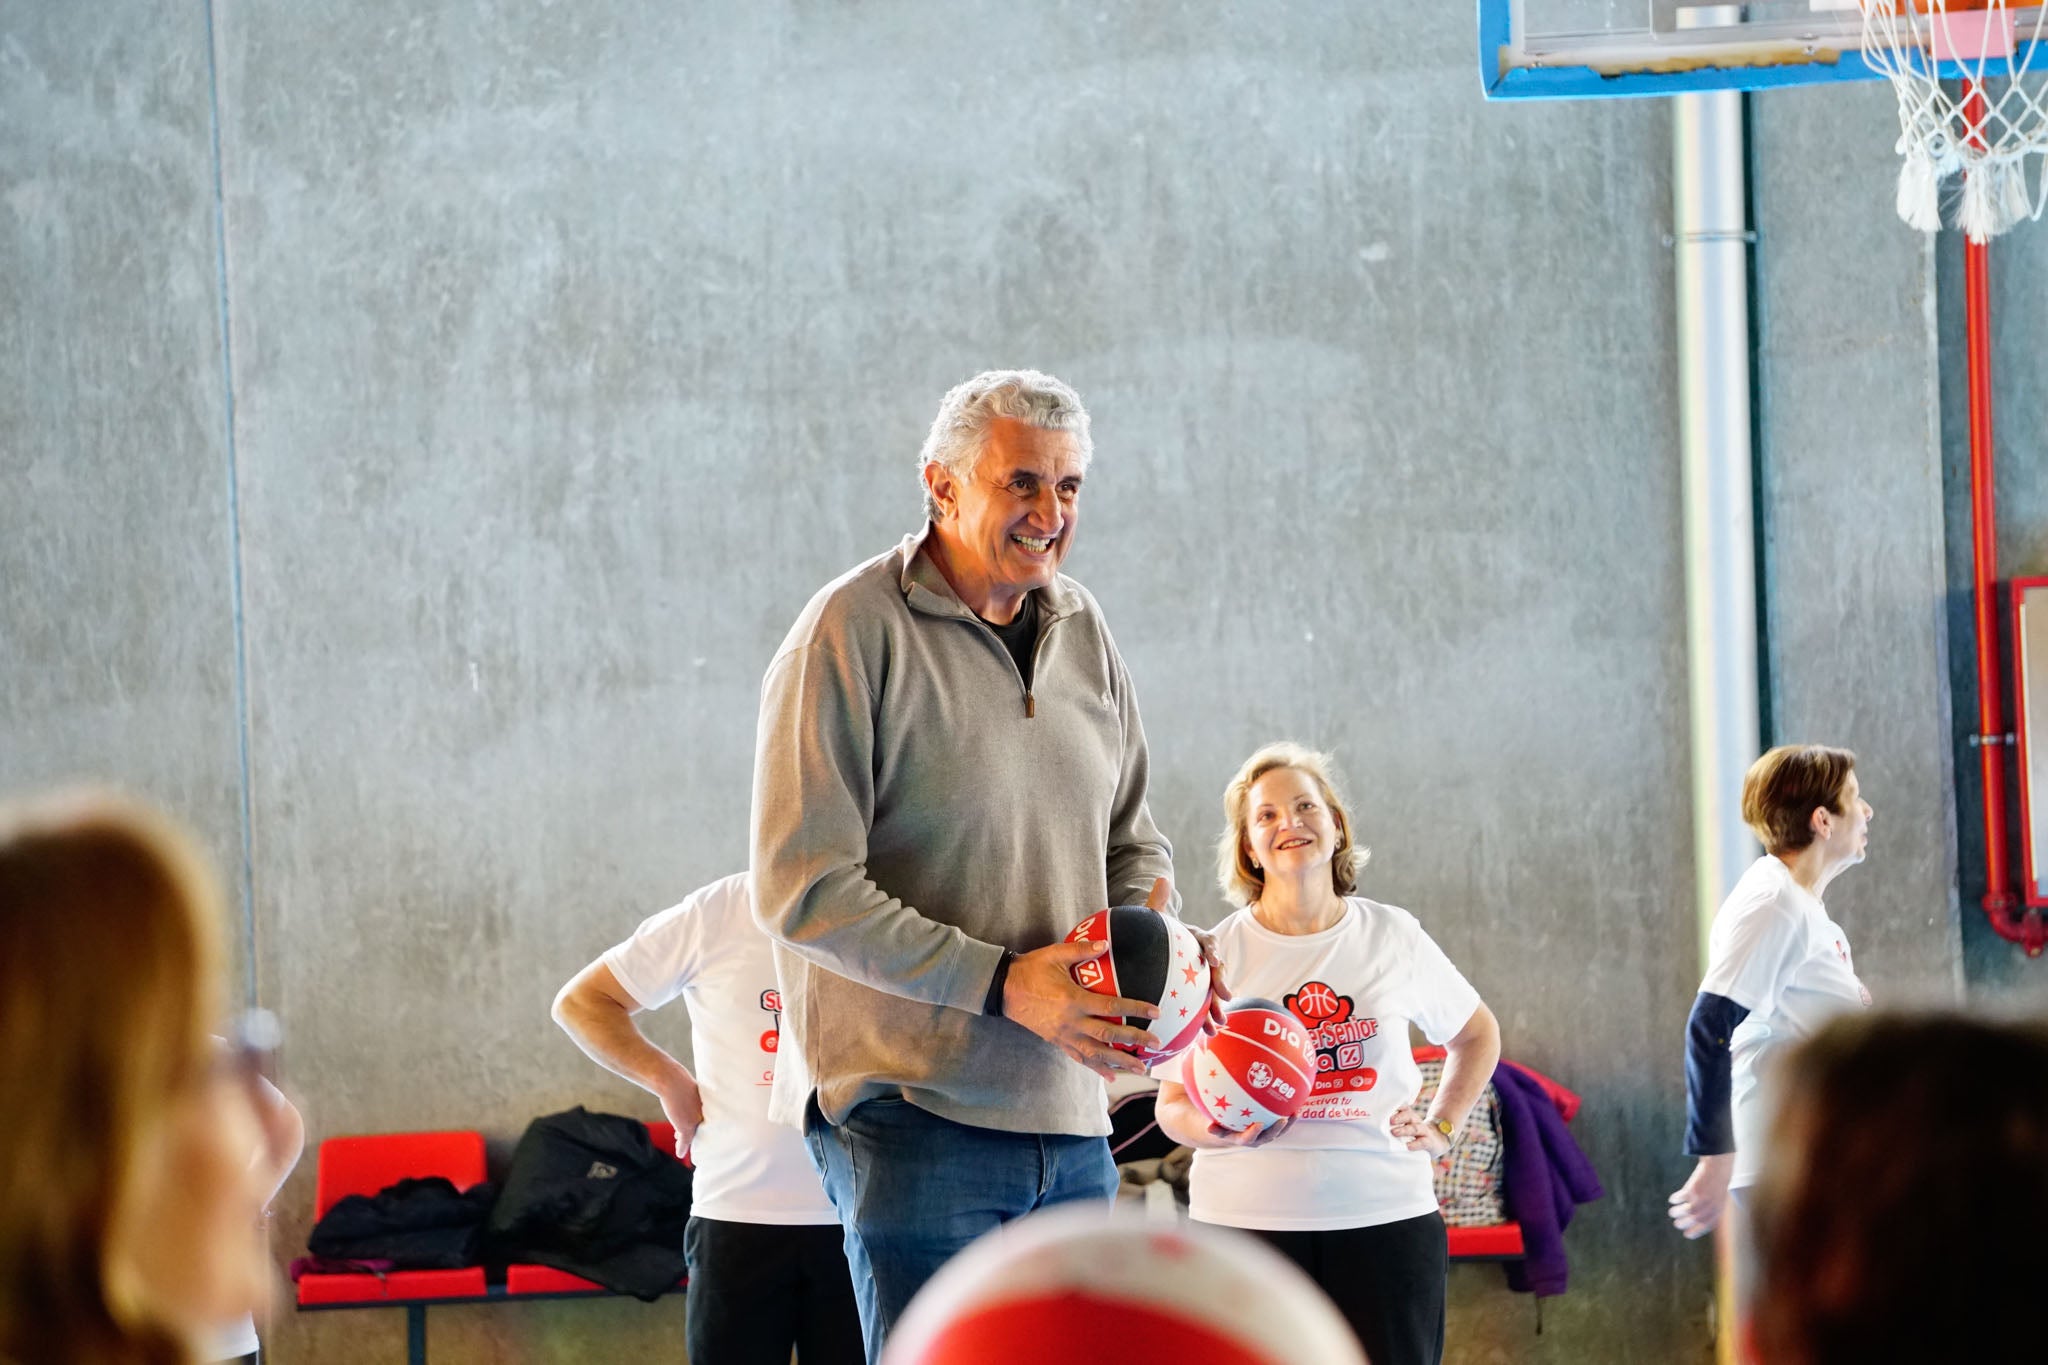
[[1344, 1189]]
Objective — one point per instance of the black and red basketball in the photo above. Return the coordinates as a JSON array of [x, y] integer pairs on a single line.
[[1084, 1286], [1259, 1068], [1151, 957]]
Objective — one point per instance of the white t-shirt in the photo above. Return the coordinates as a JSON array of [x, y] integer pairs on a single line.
[[1774, 951], [233, 1341], [1356, 987], [709, 951]]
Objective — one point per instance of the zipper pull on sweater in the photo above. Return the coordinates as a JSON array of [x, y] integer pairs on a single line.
[[1030, 706]]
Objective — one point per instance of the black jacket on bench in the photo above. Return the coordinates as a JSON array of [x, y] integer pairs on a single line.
[[591, 1194], [424, 1224]]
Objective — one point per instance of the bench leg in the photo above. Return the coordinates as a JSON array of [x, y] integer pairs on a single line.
[[416, 1334]]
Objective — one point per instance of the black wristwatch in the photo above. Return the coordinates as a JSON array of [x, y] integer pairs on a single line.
[[992, 1005]]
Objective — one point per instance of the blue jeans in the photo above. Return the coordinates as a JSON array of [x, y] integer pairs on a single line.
[[912, 1189]]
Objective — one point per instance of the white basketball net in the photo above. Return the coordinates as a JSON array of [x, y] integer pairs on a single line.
[[1988, 140]]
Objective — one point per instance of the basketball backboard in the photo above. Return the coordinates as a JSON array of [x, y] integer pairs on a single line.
[[1591, 49]]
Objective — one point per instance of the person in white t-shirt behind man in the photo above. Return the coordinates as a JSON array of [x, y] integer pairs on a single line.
[[1345, 1188], [766, 1256], [1777, 967]]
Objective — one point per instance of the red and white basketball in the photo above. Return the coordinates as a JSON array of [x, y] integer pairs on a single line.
[[1259, 1068], [1087, 1286], [1151, 957]]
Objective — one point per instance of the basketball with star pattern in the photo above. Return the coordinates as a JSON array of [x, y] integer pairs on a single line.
[[1151, 957], [1258, 1068]]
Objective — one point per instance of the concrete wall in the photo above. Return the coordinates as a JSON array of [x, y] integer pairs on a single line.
[[573, 347], [1851, 495], [117, 645]]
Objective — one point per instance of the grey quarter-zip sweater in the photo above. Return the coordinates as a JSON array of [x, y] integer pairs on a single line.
[[917, 810]]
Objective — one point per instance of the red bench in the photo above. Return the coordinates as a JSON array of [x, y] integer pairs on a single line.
[[367, 1163]]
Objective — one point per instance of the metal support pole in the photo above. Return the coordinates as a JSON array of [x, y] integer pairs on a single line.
[[1712, 243], [1711, 239]]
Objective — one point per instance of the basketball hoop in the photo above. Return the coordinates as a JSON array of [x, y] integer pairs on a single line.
[[1986, 135]]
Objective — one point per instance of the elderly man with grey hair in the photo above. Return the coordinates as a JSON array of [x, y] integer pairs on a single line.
[[950, 774]]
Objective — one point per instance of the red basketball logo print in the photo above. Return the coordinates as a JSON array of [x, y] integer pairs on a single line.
[[1318, 1005], [771, 1039]]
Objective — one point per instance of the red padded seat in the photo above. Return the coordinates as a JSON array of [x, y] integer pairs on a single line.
[[366, 1164], [466, 1283], [1498, 1239], [544, 1279]]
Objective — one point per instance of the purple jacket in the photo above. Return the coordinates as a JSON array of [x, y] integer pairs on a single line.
[[1544, 1177]]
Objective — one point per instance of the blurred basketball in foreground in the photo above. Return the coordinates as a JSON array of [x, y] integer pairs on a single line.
[[1086, 1286]]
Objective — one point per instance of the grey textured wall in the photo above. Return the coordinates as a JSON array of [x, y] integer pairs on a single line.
[[1852, 499], [574, 346], [117, 653]]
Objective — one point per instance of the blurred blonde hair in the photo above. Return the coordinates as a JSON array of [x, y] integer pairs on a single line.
[[110, 973], [1241, 882]]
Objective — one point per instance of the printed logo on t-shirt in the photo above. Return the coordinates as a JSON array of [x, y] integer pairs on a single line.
[[771, 1039], [1338, 1039], [1842, 951]]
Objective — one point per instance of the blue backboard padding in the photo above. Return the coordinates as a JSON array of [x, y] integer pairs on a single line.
[[1584, 83]]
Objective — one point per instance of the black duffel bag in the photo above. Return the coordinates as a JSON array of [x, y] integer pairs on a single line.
[[592, 1195]]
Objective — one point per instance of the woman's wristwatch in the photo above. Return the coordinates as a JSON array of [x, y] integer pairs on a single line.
[[1448, 1129]]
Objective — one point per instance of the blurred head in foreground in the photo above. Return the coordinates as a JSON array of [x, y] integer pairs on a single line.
[[130, 1213], [1907, 1183], [1088, 1286]]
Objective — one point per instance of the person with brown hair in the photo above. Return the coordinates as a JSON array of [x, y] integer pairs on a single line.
[[1345, 1188], [1777, 966], [1906, 1153], [130, 1212]]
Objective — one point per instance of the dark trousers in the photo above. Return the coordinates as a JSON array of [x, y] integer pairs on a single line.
[[1387, 1281], [757, 1289]]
